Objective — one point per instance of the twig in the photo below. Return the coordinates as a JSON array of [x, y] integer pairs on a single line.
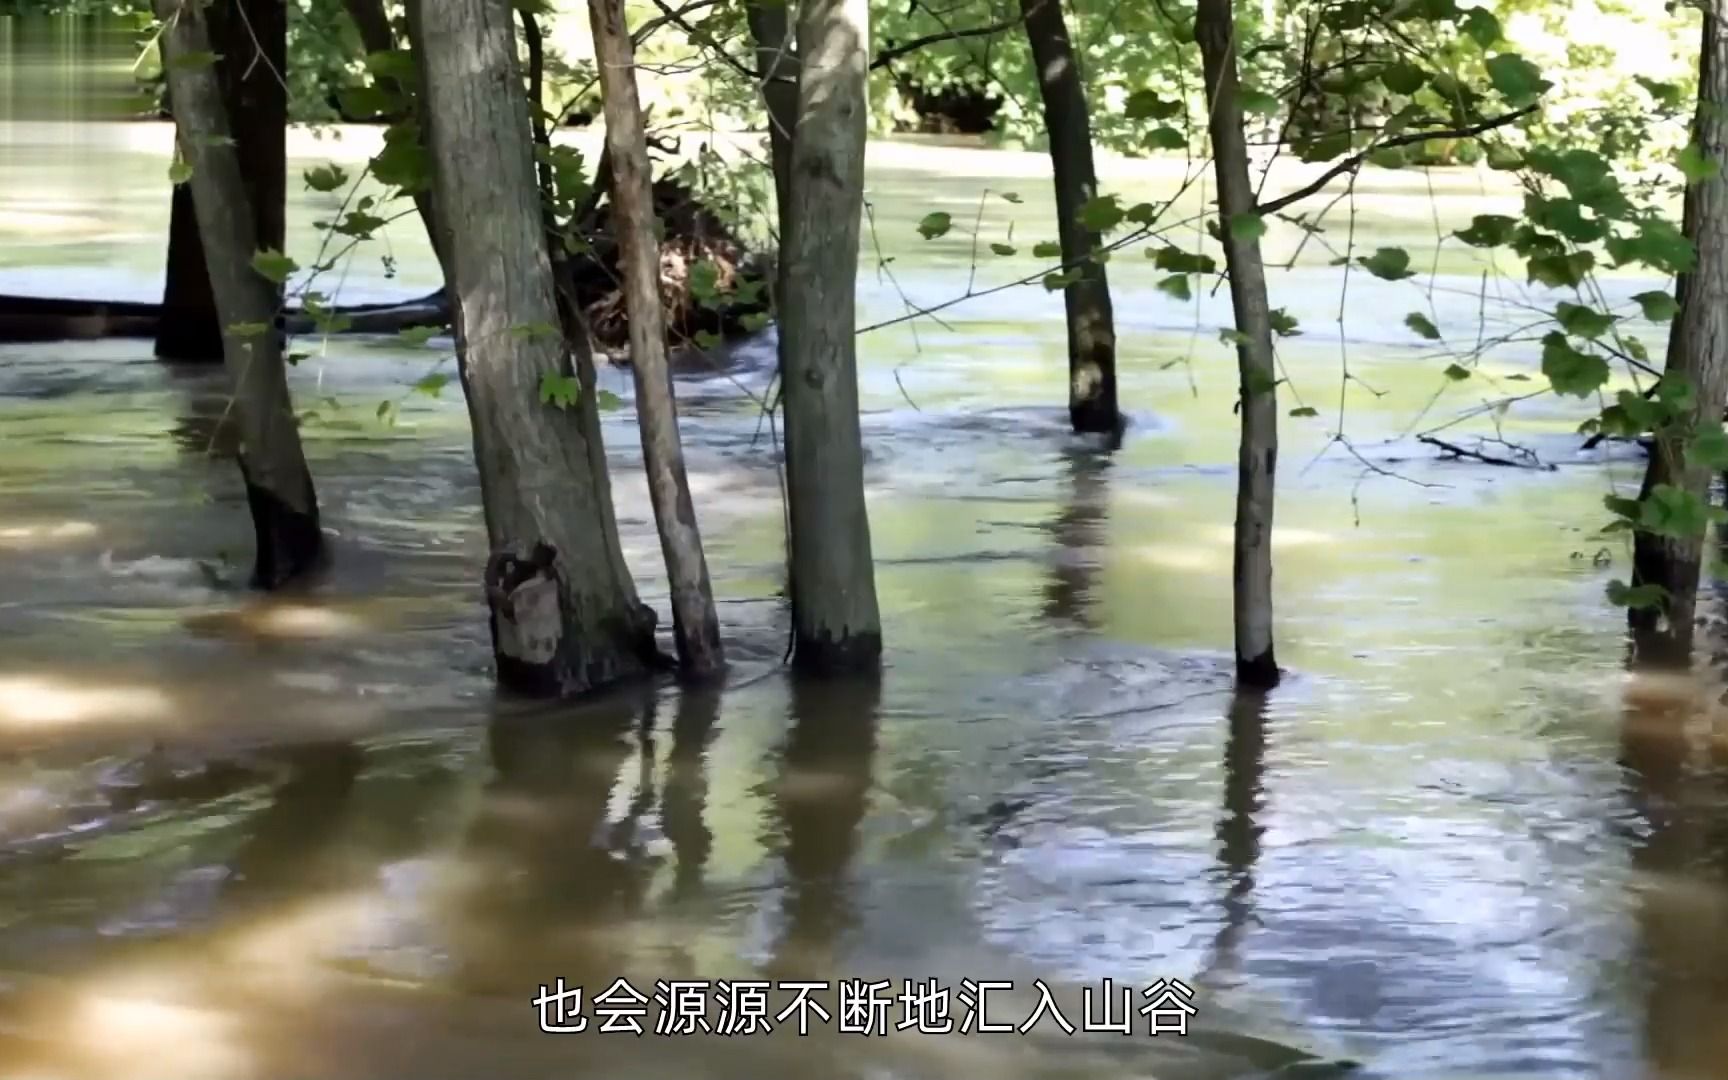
[[1457, 451], [889, 55]]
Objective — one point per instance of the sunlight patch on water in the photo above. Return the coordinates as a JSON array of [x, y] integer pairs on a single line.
[[35, 702], [45, 534], [149, 1017]]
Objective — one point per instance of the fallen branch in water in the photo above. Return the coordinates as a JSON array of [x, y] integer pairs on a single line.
[[1458, 452]]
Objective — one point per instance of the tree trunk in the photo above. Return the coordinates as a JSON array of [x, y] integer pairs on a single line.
[[835, 620], [1697, 350], [696, 627], [777, 62], [1257, 461], [565, 617], [272, 463], [252, 38], [1091, 323]]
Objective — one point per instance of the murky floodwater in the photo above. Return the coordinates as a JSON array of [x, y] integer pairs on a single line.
[[278, 842]]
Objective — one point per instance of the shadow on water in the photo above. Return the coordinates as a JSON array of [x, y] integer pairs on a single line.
[[291, 843], [684, 792], [1079, 531], [1240, 826], [818, 801], [1676, 766]]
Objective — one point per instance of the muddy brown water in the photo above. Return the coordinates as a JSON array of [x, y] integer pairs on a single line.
[[242, 841]]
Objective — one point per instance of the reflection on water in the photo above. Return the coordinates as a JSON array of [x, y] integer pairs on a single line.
[[264, 841]]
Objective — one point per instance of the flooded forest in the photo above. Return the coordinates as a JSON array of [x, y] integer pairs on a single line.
[[1168, 539]]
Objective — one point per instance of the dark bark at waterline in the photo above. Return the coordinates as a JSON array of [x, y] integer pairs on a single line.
[[1257, 459], [251, 38], [272, 461], [836, 623], [695, 625], [1092, 404], [1698, 350], [564, 611]]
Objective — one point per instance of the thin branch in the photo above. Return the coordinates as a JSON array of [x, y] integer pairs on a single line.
[[1354, 161], [889, 55], [1456, 452]]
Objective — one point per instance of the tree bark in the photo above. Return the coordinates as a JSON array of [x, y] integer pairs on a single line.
[[836, 624], [272, 462], [251, 37], [777, 61], [1092, 404], [565, 616], [1697, 350], [695, 626], [1257, 460]]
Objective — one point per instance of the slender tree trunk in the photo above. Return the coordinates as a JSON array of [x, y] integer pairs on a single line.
[[251, 37], [836, 623], [696, 627], [1091, 323], [272, 463], [1257, 461], [565, 617], [1697, 350]]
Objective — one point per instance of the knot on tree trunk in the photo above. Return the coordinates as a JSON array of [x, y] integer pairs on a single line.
[[523, 592]]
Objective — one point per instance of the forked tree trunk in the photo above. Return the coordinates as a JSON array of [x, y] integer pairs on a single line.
[[1697, 350], [1257, 460], [272, 462], [696, 627], [1092, 404], [565, 617], [251, 36], [836, 624]]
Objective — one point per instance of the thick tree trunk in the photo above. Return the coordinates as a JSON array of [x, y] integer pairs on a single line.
[[696, 627], [272, 463], [1697, 350], [777, 61], [1257, 461], [836, 623], [1091, 323], [565, 617], [251, 37]]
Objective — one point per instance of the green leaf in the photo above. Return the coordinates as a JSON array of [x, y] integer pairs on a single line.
[[1176, 285], [417, 335], [1247, 227], [179, 171], [1283, 323], [1260, 103], [1047, 249], [1177, 261], [1658, 244], [1570, 371], [607, 401], [248, 329], [1324, 148], [1142, 213], [1146, 105], [1062, 280], [386, 413], [1519, 81], [273, 265], [754, 321], [359, 224], [1697, 165], [369, 102], [1259, 382], [1581, 321], [1708, 448], [1231, 336], [703, 280], [1648, 595], [1566, 217], [432, 385], [1488, 230], [706, 339], [397, 64], [935, 224], [1457, 372], [1480, 25], [1002, 249], [325, 177], [1560, 271], [1677, 513], [1388, 264], [1101, 214], [403, 162], [1306, 410], [1165, 138], [1422, 325], [1403, 78], [559, 391], [1388, 157], [1667, 95], [1658, 306], [192, 60]]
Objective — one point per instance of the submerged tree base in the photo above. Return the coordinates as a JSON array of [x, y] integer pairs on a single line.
[[828, 655], [290, 543], [1259, 673]]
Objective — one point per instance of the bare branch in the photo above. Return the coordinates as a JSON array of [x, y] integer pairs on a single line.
[[889, 55]]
